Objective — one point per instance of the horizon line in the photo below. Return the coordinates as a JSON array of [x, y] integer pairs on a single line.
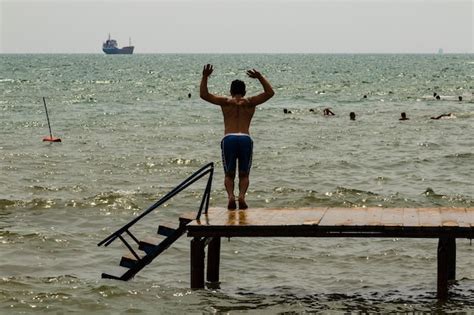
[[242, 53]]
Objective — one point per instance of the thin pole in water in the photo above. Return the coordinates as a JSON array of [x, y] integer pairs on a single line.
[[50, 138], [47, 117]]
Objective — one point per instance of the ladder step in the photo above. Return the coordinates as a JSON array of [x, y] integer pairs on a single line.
[[115, 273], [149, 244], [165, 230], [187, 218], [109, 276], [129, 261]]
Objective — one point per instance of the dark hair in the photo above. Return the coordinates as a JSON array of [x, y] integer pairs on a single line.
[[237, 88]]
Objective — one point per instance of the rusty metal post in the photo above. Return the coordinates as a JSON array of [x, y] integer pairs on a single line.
[[442, 292], [197, 263], [213, 261]]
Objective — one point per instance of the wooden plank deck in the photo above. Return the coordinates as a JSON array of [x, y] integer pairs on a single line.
[[336, 222]]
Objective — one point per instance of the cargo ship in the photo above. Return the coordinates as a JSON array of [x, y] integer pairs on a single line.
[[110, 47]]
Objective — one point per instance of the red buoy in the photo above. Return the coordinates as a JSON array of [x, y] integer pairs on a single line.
[[51, 139]]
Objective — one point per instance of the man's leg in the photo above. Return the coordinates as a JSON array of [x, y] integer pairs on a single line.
[[229, 151], [245, 162], [229, 187], [243, 186]]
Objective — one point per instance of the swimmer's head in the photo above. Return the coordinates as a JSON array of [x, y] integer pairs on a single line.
[[237, 88]]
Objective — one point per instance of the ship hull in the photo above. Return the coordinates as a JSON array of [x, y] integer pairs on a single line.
[[119, 51]]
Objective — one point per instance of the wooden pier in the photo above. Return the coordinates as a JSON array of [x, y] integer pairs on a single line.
[[446, 224]]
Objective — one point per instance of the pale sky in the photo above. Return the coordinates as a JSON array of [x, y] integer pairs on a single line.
[[238, 26]]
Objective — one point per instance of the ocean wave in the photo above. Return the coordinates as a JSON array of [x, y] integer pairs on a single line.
[[5, 203], [10, 237], [73, 188], [350, 197], [187, 162], [7, 80], [279, 196], [111, 291], [123, 200], [447, 200], [428, 144], [126, 201], [23, 280], [466, 155], [35, 203], [108, 200], [352, 191], [103, 81], [340, 197]]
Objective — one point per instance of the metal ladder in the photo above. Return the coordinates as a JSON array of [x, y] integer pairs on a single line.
[[150, 248]]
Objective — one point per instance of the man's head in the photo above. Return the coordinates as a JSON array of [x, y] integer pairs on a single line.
[[237, 88]]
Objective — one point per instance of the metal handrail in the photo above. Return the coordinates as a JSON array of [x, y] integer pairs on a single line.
[[203, 171]]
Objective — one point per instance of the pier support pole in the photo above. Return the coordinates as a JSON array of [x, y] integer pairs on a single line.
[[451, 243], [443, 263], [213, 261], [446, 265], [197, 263]]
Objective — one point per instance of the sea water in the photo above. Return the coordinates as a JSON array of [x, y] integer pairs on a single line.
[[131, 132]]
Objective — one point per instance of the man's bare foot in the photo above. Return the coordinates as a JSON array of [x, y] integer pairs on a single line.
[[231, 205], [242, 204]]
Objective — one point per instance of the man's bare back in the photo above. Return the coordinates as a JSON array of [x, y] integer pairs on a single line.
[[238, 114], [237, 109]]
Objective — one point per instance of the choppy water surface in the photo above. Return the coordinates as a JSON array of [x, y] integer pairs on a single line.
[[130, 133]]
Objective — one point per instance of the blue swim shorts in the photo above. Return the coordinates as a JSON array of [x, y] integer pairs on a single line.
[[237, 147]]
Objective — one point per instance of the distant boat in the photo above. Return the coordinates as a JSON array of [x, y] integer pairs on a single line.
[[110, 47]]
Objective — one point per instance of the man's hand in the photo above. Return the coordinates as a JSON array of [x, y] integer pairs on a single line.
[[204, 92], [207, 70], [254, 74], [267, 89]]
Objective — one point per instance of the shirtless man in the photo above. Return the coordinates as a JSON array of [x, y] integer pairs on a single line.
[[328, 112], [403, 116], [449, 115], [236, 145]]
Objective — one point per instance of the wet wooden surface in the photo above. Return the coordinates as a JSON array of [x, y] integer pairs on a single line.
[[409, 222]]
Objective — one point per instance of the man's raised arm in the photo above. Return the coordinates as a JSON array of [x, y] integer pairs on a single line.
[[204, 92], [267, 88]]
